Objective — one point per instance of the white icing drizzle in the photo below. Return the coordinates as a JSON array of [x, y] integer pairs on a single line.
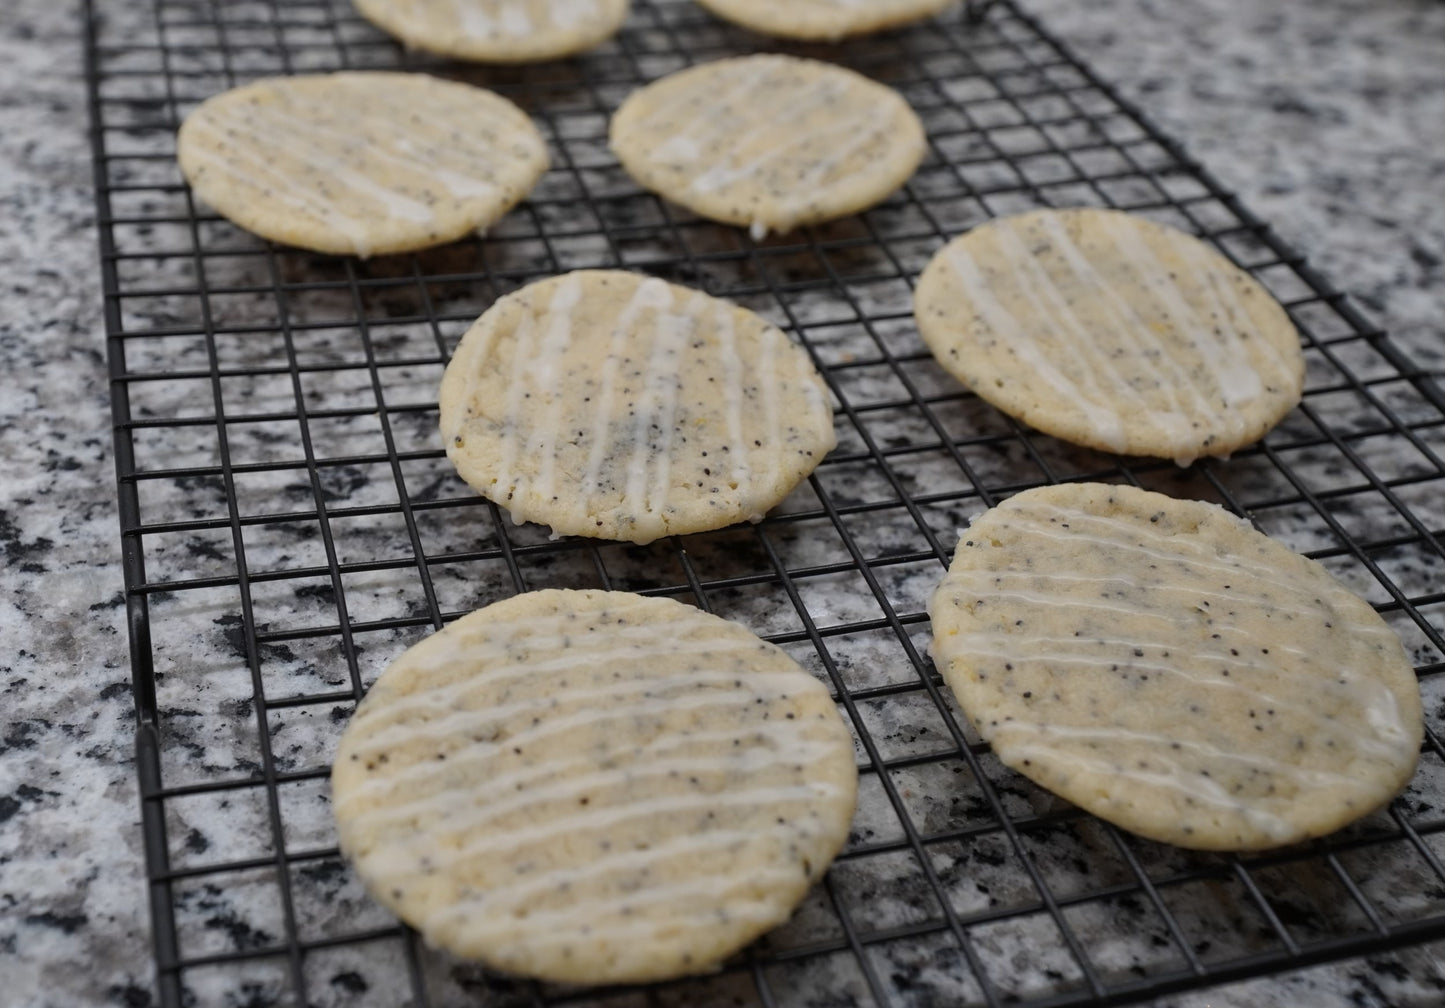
[[815, 394], [1196, 565], [1200, 553], [985, 645], [1004, 327], [462, 819], [1238, 379], [653, 428], [506, 480], [299, 134], [478, 724], [733, 392], [1234, 379], [546, 383], [816, 175], [652, 294], [1130, 326], [280, 184], [678, 148], [1193, 787], [513, 18], [737, 88], [1236, 320], [430, 804], [1177, 777], [548, 927], [1191, 575], [730, 171], [763, 741], [570, 14], [1246, 577], [454, 704], [1100, 407], [472, 19], [772, 423], [740, 144], [761, 138], [507, 901]]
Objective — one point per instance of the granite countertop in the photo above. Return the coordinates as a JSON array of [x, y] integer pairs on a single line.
[[1327, 117]]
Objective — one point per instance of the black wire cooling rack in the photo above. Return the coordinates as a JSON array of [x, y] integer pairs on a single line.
[[289, 524]]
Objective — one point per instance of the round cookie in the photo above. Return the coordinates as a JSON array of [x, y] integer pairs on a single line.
[[823, 20], [360, 163], [593, 787], [497, 31], [1168, 668], [1111, 331], [767, 141], [617, 406]]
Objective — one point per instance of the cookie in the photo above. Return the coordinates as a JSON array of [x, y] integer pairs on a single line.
[[497, 31], [768, 142], [1113, 332], [823, 20], [1163, 665], [608, 404], [362, 163], [593, 787]]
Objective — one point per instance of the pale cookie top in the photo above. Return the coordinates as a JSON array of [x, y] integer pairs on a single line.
[[769, 142], [362, 163], [593, 787], [1112, 332], [823, 19], [497, 31], [612, 405], [1168, 668]]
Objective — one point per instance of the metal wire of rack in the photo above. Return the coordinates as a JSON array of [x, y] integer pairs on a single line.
[[289, 523]]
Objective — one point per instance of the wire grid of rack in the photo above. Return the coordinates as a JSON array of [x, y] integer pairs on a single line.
[[290, 523]]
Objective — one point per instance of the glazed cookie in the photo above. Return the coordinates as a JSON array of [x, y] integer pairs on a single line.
[[593, 787], [498, 31], [360, 163], [1111, 331], [612, 405], [769, 142], [823, 19], [1168, 668]]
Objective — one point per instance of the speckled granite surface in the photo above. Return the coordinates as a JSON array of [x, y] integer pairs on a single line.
[[1326, 117]]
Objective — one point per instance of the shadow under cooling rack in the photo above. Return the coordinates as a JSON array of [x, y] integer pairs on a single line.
[[289, 524]]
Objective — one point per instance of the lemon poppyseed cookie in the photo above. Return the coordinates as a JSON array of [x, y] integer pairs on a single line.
[[1168, 668], [768, 142], [823, 19], [497, 31], [618, 406], [593, 787], [363, 163], [1111, 331]]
